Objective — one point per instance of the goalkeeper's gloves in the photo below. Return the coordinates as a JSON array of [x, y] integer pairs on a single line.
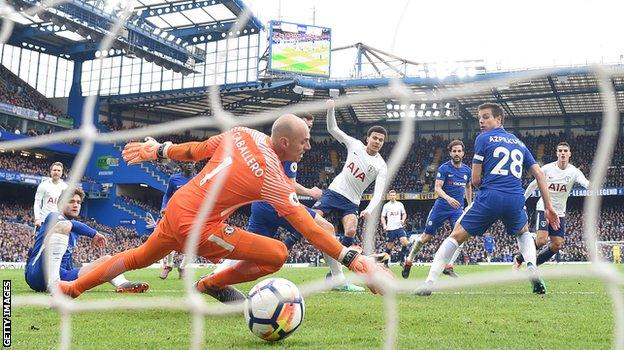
[[365, 265], [150, 149]]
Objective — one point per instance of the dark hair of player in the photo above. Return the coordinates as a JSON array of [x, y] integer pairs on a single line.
[[306, 116], [497, 110], [456, 143], [564, 144], [377, 128], [75, 191]]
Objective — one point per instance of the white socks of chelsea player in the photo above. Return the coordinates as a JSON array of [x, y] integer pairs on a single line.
[[53, 253], [442, 258], [418, 244], [456, 254], [527, 249]]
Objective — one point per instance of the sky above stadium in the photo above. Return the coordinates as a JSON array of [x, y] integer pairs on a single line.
[[506, 34]]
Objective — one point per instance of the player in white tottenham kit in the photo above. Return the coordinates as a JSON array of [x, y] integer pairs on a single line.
[[560, 177], [48, 193], [363, 165], [393, 218]]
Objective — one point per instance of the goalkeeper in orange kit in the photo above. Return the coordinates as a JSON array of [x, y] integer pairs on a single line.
[[253, 172]]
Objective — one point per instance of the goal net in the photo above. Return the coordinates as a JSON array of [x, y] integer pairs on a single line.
[[223, 120]]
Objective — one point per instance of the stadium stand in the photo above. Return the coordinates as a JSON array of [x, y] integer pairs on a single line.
[[29, 164], [17, 220], [15, 91]]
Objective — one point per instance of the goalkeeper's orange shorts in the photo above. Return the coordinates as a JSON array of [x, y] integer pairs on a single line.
[[216, 241]]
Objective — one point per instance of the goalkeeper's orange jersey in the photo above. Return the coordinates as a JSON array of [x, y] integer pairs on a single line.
[[252, 172]]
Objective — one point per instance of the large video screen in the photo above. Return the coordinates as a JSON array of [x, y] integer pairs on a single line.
[[300, 49]]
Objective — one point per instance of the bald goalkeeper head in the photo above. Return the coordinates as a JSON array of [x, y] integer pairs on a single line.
[[290, 136]]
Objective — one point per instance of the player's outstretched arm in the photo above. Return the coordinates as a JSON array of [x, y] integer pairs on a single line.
[[327, 243], [549, 212], [83, 229], [150, 149], [332, 125], [313, 192]]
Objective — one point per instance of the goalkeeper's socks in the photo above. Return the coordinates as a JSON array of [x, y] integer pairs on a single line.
[[54, 251], [442, 257], [545, 255], [347, 241]]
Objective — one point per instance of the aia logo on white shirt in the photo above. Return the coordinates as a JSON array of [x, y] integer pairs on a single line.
[[357, 172], [558, 187]]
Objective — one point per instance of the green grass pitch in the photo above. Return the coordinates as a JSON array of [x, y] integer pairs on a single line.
[[576, 314]]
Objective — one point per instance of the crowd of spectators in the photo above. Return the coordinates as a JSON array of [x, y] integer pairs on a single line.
[[14, 161], [316, 169], [16, 236], [15, 91], [298, 37], [418, 170], [152, 206]]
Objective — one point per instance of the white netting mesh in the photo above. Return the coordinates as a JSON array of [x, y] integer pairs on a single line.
[[223, 120]]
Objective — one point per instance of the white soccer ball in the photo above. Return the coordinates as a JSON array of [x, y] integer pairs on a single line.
[[274, 309]]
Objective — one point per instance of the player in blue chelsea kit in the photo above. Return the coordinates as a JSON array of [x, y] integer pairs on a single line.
[[497, 168], [54, 245], [176, 181], [265, 221], [451, 185], [489, 244]]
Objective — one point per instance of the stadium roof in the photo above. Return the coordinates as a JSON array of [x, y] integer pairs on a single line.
[[74, 28], [572, 91]]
